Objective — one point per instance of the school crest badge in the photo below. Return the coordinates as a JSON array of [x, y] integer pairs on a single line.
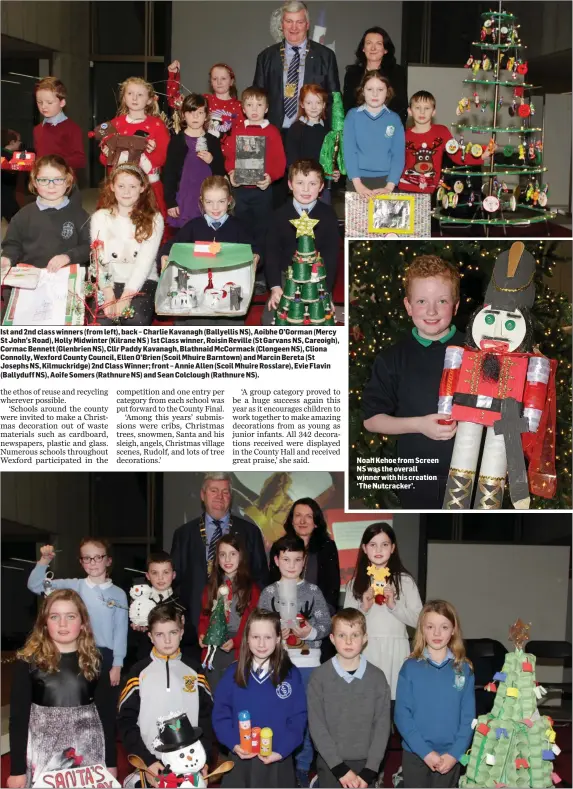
[[190, 683], [67, 230], [284, 690], [390, 131]]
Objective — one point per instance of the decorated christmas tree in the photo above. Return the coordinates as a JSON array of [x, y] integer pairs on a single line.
[[305, 302], [496, 104], [513, 745]]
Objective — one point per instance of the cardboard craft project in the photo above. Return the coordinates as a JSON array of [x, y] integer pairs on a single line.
[[249, 159], [106, 134], [21, 161], [93, 776], [206, 279], [396, 215], [57, 300]]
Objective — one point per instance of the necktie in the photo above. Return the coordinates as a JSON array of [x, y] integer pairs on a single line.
[[217, 534], [291, 102], [215, 225]]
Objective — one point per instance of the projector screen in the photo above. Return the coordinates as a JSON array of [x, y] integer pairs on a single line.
[[204, 33]]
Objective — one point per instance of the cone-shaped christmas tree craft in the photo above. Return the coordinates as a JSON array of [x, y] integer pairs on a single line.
[[513, 745], [217, 632], [305, 302]]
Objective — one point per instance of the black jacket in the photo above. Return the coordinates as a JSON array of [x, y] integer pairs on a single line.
[[173, 167], [319, 68], [280, 242], [190, 563], [397, 77]]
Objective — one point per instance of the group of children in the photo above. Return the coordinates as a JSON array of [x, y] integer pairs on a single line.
[[268, 671]]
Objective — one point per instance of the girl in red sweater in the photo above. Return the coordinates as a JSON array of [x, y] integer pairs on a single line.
[[231, 567], [139, 114]]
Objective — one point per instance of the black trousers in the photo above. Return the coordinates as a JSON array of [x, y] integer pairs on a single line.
[[417, 774], [254, 207], [143, 305], [106, 699]]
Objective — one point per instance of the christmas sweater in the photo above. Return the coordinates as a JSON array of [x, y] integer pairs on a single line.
[[154, 688], [64, 139], [150, 163], [424, 154], [281, 708], [275, 159], [231, 615]]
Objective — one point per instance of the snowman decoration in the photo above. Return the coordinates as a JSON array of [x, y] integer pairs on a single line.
[[180, 750], [142, 604]]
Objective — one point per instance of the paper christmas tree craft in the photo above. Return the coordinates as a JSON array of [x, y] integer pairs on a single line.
[[513, 745], [331, 153], [217, 632], [305, 302]]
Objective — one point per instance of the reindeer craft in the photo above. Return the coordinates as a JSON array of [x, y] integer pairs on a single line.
[[117, 144], [301, 618]]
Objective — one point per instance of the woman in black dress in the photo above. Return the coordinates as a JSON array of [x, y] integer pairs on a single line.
[[376, 52]]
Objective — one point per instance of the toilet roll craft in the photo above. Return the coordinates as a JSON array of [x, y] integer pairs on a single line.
[[499, 383], [181, 751], [379, 579]]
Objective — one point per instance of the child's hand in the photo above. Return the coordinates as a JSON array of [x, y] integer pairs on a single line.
[[276, 294], [285, 632], [151, 146], [115, 675], [243, 754], [433, 760], [231, 175], [428, 426], [256, 259], [367, 600], [139, 628], [301, 632], [174, 212], [361, 189], [16, 782], [446, 764], [228, 645], [386, 189], [274, 757], [6, 264], [58, 262], [112, 310], [390, 595], [265, 183], [174, 67], [202, 642], [352, 781], [205, 156], [164, 261], [154, 768], [336, 178], [47, 553]]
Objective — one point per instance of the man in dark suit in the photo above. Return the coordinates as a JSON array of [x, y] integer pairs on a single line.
[[194, 544], [282, 69]]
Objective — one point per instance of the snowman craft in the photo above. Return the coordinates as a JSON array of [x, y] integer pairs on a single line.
[[498, 382], [181, 751], [217, 632], [145, 598]]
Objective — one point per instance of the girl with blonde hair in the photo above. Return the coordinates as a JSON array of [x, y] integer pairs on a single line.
[[54, 723], [435, 702]]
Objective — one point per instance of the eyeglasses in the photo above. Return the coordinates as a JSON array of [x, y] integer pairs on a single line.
[[92, 559], [47, 181]]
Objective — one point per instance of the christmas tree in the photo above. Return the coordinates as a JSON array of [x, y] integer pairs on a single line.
[[510, 191], [305, 302], [513, 745], [332, 153], [378, 319], [218, 631]]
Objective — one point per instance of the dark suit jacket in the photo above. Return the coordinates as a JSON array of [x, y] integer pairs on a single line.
[[190, 564], [319, 68]]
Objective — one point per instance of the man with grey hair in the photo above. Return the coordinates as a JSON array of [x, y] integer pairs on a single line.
[[194, 546], [282, 69]]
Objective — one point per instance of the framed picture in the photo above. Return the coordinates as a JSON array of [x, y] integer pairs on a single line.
[[391, 214], [249, 159]]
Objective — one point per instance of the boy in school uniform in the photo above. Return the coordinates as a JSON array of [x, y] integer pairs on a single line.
[[348, 708], [160, 684], [306, 181], [401, 398]]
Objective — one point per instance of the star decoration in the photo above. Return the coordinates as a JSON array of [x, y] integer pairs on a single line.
[[519, 633], [304, 225]]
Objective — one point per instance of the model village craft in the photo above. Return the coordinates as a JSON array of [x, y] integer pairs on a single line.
[[393, 215], [90, 777], [497, 382], [57, 300], [379, 579], [218, 631], [121, 147], [513, 745], [305, 302], [206, 279], [509, 189]]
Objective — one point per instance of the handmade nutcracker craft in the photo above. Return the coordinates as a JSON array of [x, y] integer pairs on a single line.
[[499, 382]]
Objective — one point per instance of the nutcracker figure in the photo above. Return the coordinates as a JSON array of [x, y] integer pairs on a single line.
[[496, 381]]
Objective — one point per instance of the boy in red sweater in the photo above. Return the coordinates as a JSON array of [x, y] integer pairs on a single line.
[[57, 134], [425, 146], [254, 204]]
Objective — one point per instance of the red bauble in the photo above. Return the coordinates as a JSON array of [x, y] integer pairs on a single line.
[[379, 599], [522, 68], [524, 110]]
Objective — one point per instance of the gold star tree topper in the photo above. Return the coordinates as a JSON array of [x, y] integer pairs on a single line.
[[519, 633], [304, 225]]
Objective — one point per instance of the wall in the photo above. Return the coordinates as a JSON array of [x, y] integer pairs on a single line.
[[243, 32]]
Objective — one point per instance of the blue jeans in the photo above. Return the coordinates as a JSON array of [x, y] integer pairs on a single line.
[[304, 754]]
